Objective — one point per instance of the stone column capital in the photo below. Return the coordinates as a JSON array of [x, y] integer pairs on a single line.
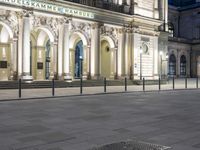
[[97, 25]]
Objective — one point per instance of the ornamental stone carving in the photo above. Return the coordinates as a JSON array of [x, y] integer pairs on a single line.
[[49, 22], [111, 32], [11, 19]]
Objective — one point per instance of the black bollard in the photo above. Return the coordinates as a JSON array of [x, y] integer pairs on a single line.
[[53, 87], [81, 85], [105, 83], [173, 83], [125, 84], [159, 84], [20, 88], [143, 84], [185, 82], [197, 82]]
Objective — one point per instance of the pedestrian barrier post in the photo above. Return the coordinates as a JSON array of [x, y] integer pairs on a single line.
[[143, 84], [125, 84], [186, 82], [53, 87], [105, 83], [159, 84], [20, 88], [81, 85]]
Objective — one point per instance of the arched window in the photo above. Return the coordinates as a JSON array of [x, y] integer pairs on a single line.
[[183, 66], [172, 65], [171, 29]]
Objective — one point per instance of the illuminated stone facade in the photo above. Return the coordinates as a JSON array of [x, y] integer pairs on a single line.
[[184, 43], [94, 39]]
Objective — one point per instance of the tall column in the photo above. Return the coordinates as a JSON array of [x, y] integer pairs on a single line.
[[85, 62], [60, 50], [121, 54], [166, 15], [131, 54], [72, 62], [67, 26], [127, 47], [26, 47], [156, 10], [13, 67], [95, 51], [156, 58]]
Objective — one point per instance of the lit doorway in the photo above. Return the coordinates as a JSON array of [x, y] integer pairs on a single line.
[[78, 59]]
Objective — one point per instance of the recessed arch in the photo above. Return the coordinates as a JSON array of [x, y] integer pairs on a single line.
[[42, 35], [107, 57], [110, 41], [8, 28], [75, 38]]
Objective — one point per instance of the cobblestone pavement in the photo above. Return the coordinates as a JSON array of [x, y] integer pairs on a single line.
[[38, 93], [170, 118]]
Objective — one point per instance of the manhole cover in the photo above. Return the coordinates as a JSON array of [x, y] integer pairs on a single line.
[[132, 145]]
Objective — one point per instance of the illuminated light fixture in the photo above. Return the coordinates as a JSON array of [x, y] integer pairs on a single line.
[[161, 53], [4, 53]]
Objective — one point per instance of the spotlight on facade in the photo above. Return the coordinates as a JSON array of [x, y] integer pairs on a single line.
[[167, 56], [141, 51], [161, 53]]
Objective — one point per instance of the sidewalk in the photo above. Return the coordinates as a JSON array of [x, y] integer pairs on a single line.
[[47, 92]]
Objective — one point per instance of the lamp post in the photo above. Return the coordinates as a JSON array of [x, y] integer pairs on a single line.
[[81, 66], [161, 53], [141, 63]]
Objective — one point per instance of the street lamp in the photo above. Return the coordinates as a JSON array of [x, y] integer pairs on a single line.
[[161, 53], [141, 63], [81, 66]]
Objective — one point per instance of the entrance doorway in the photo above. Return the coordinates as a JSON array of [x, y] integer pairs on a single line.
[[172, 65], [105, 59], [78, 59], [47, 60]]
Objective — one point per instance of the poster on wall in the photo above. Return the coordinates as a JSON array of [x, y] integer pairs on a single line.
[[3, 64], [39, 65]]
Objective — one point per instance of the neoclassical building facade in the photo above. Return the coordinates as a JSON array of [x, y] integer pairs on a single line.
[[41, 40], [184, 38]]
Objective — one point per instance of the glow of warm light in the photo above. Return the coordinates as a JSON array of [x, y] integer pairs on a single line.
[[141, 51], [4, 52], [161, 53], [167, 56]]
